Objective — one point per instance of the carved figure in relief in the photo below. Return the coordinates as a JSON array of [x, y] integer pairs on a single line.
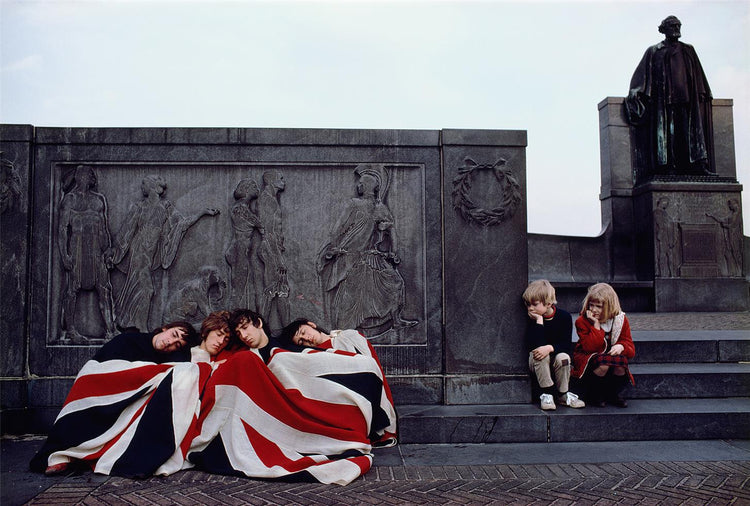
[[358, 266], [83, 240], [732, 235], [192, 302], [275, 295], [150, 236], [665, 231], [10, 185], [245, 268], [670, 104]]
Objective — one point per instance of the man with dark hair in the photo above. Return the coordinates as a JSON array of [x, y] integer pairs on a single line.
[[133, 373], [670, 103], [170, 343]]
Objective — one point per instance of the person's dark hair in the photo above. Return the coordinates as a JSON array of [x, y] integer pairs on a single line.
[[218, 320], [191, 335], [237, 318], [286, 334]]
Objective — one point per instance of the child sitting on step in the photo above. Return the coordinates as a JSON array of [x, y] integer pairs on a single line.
[[549, 343], [604, 347]]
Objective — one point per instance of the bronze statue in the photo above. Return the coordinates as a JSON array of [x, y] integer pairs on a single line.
[[245, 269], [669, 103], [362, 287], [275, 296], [151, 234], [83, 241]]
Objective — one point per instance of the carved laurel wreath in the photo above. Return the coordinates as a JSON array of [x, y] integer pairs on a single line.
[[469, 211]]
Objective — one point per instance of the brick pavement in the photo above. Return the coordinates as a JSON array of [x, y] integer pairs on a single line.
[[725, 482]]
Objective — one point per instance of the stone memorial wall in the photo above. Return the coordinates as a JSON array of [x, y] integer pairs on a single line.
[[417, 238]]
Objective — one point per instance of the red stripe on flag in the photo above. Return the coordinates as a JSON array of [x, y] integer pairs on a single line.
[[115, 382]]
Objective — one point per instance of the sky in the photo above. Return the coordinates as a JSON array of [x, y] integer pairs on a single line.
[[540, 66]]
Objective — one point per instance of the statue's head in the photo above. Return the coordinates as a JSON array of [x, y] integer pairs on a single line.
[[84, 176], [670, 27], [246, 188], [153, 183]]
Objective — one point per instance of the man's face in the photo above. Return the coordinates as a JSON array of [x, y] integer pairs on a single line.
[[308, 335], [215, 341], [169, 340], [672, 30], [252, 336]]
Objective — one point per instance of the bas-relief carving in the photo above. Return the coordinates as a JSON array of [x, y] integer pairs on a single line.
[[275, 288], [364, 267], [665, 232], [731, 233], [245, 267], [193, 301], [358, 265], [463, 202], [147, 242], [692, 242], [10, 186], [84, 244]]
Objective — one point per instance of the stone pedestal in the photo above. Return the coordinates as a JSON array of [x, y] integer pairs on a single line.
[[691, 235], [682, 233], [486, 266]]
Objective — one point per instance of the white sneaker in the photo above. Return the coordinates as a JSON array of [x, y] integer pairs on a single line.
[[547, 402], [571, 400]]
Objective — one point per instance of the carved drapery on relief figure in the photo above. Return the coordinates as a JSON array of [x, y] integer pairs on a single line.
[[473, 213], [731, 233], [150, 237], [193, 300], [666, 234], [84, 241], [358, 266], [245, 267], [275, 296], [10, 185]]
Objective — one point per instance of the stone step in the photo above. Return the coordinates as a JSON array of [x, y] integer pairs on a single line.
[[643, 420], [689, 380], [664, 346]]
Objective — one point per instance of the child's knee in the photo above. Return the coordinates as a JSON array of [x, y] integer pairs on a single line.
[[562, 360]]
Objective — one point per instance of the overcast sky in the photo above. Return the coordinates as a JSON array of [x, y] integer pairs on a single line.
[[538, 66]]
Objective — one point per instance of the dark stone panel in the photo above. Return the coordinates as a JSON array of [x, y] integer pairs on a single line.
[[653, 381], [707, 294], [651, 352], [734, 351], [486, 258], [250, 136], [203, 173], [617, 424], [724, 137], [416, 389], [476, 424], [15, 157], [487, 389], [29, 421], [510, 138], [13, 393], [52, 392]]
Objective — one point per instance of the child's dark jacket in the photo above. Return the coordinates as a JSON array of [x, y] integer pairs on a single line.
[[557, 330]]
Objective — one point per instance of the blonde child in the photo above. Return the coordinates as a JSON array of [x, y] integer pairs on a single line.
[[604, 347], [548, 341]]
